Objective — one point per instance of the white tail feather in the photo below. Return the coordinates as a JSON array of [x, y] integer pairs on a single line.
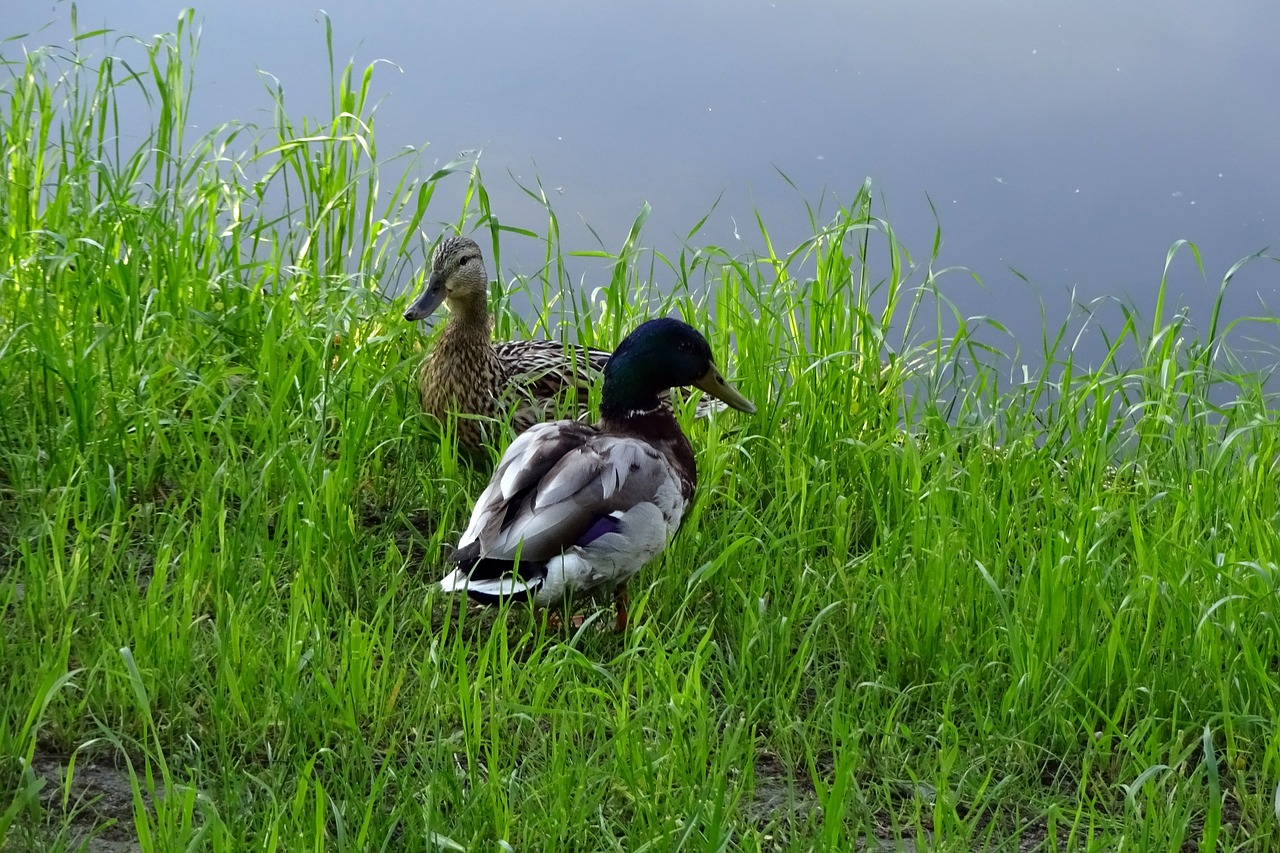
[[457, 581]]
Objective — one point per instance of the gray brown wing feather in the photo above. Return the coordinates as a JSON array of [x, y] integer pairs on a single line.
[[550, 366], [542, 374], [546, 494]]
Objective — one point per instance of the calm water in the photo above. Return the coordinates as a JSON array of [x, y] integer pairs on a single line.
[[1072, 143]]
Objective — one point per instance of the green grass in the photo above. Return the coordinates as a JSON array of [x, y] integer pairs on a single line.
[[932, 603]]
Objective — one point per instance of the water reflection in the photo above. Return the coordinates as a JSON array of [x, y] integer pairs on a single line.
[[1071, 145]]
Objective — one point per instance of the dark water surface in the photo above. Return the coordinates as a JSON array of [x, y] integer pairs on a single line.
[[1072, 143]]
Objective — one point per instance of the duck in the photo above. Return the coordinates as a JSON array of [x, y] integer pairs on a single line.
[[467, 373], [574, 507]]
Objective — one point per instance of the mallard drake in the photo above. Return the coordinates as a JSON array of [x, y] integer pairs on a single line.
[[573, 506], [466, 373]]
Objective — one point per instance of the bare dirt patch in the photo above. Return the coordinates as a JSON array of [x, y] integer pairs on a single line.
[[93, 810]]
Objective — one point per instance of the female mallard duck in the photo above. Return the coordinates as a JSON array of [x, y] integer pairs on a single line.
[[572, 506], [467, 374]]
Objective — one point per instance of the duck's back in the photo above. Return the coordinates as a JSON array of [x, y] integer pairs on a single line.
[[571, 507], [545, 378]]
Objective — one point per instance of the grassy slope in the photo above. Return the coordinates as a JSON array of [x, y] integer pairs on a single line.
[[220, 516]]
